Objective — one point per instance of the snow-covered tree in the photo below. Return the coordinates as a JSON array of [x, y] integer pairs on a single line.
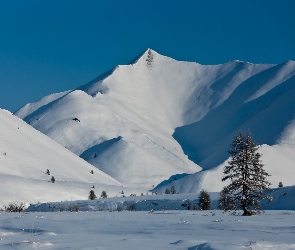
[[204, 200], [91, 195], [247, 176], [104, 194]]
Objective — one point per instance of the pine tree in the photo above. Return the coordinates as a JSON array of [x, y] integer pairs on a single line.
[[91, 195], [52, 179], [173, 190], [280, 184], [149, 59], [167, 191], [204, 200], [248, 178], [104, 194]]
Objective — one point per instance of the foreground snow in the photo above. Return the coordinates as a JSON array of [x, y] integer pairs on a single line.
[[143, 230]]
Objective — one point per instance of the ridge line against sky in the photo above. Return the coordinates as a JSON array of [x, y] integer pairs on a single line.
[[53, 46]]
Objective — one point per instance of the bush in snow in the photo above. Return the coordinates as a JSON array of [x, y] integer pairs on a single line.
[[131, 205], [104, 194], [91, 195], [15, 206], [73, 208], [204, 200], [280, 184], [48, 172], [247, 176]]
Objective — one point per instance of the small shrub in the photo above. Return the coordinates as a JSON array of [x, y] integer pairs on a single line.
[[120, 208], [280, 184]]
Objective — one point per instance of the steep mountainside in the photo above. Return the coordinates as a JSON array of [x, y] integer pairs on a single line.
[[138, 122], [26, 154]]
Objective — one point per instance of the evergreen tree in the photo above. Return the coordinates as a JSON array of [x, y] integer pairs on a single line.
[[204, 200], [167, 191], [149, 59], [248, 178], [104, 194], [48, 172], [280, 184], [91, 195], [52, 179], [173, 190]]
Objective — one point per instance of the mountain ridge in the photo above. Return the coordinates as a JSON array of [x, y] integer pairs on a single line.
[[164, 109]]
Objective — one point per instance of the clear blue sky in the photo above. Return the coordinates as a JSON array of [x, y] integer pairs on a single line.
[[50, 46]]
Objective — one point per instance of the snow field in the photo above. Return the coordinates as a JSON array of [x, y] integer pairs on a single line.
[[143, 230]]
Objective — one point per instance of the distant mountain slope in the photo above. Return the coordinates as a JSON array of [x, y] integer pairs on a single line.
[[263, 104], [26, 154], [138, 122]]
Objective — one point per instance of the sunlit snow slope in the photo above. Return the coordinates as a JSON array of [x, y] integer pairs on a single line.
[[138, 122], [26, 154]]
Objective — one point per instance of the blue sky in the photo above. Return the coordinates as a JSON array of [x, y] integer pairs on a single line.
[[49, 46]]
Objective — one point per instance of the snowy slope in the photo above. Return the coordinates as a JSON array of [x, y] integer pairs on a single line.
[[138, 122], [26, 154], [278, 161]]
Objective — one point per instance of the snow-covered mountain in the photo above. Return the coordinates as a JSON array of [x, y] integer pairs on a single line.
[[25, 156], [139, 122]]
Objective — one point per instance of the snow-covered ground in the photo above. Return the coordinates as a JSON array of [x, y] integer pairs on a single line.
[[191, 230]]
